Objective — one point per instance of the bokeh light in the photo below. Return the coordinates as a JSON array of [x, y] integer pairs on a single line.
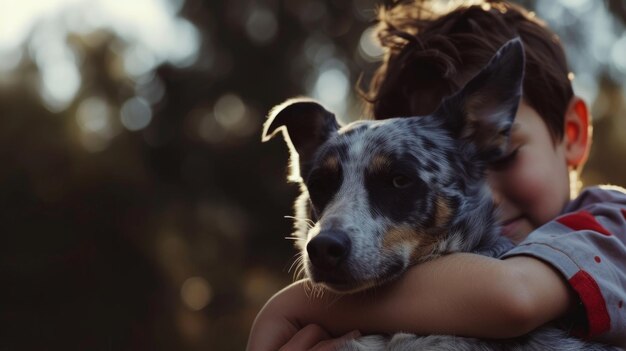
[[261, 25], [135, 114], [196, 293], [332, 86], [229, 111], [369, 48], [94, 116]]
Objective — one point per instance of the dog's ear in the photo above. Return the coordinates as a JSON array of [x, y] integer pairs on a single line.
[[305, 125], [483, 112]]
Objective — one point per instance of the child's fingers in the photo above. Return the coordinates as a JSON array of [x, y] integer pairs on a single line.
[[306, 338]]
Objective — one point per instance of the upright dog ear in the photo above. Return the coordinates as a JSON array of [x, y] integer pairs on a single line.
[[305, 125], [483, 112]]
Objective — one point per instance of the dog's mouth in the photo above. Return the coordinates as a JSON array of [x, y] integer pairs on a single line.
[[337, 280], [344, 282]]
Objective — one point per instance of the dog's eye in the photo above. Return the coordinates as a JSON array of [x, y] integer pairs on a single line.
[[322, 186], [401, 181]]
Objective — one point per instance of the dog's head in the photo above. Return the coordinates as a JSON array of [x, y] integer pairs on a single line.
[[378, 196]]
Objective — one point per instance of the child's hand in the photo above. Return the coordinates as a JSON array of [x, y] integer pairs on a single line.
[[315, 338], [279, 324]]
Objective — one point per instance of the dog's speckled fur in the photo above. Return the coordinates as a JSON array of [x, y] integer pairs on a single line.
[[401, 191]]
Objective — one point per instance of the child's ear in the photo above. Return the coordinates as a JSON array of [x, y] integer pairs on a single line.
[[577, 133]]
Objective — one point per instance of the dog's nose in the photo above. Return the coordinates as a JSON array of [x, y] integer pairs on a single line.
[[328, 249]]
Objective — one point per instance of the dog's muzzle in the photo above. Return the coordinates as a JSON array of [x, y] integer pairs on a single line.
[[332, 263]]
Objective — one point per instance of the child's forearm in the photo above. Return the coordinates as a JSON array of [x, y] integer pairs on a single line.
[[460, 294]]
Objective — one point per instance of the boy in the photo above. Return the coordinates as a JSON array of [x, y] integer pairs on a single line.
[[570, 269]]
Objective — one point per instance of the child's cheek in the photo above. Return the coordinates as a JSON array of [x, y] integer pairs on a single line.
[[540, 190]]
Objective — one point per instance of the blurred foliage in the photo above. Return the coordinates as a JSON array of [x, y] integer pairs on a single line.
[[171, 237]]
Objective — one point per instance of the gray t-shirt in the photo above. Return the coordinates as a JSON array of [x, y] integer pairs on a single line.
[[587, 244]]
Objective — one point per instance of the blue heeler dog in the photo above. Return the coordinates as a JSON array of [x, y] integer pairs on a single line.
[[380, 196]]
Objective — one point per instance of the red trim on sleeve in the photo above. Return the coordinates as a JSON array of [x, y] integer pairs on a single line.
[[582, 220], [623, 212], [589, 292]]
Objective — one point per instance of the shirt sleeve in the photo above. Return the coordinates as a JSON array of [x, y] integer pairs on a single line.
[[588, 247]]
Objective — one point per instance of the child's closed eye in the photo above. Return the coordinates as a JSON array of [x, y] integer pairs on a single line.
[[505, 161]]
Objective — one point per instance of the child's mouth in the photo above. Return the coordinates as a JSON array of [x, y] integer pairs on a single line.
[[510, 226]]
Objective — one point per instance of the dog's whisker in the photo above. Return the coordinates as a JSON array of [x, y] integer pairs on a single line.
[[296, 262], [336, 299], [313, 289], [293, 238], [308, 289], [320, 292], [299, 268], [300, 272], [308, 221]]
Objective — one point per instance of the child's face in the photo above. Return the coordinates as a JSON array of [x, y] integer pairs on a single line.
[[531, 186]]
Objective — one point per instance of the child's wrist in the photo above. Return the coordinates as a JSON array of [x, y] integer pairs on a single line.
[[286, 306]]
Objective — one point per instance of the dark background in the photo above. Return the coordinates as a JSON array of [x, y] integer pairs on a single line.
[[171, 237]]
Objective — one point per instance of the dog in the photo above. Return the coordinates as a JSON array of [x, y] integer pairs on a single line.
[[380, 196]]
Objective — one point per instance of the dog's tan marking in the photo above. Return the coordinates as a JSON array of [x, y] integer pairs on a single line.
[[331, 163], [379, 162], [421, 244], [399, 236], [425, 250], [443, 212]]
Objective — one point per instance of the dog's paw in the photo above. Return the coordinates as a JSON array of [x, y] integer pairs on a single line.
[[367, 343]]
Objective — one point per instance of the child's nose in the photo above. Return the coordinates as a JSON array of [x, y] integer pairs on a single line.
[[495, 184], [496, 197]]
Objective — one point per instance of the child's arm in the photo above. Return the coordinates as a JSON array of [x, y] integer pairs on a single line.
[[460, 294]]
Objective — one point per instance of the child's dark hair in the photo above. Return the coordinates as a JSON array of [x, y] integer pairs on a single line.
[[431, 55]]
